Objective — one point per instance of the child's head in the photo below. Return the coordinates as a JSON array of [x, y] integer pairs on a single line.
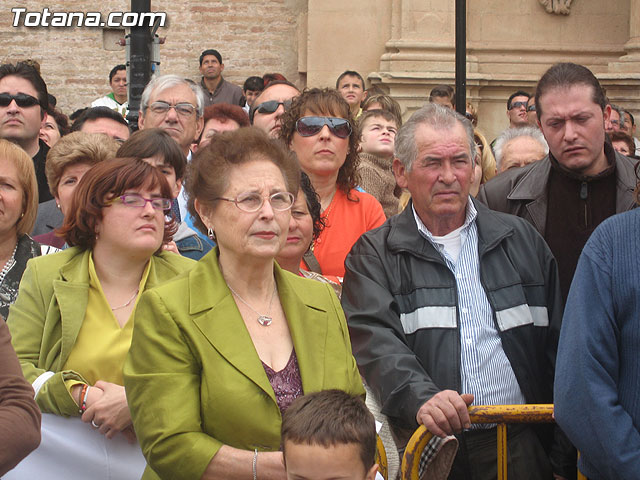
[[329, 434], [378, 133]]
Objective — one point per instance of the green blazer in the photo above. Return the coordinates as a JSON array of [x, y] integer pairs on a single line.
[[195, 382], [48, 314]]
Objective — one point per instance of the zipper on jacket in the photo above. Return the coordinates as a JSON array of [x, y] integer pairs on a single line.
[[584, 193]]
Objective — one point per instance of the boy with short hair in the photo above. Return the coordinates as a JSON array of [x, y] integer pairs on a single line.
[[377, 140], [329, 434], [350, 85]]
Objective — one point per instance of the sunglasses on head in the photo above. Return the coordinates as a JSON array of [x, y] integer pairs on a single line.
[[272, 105], [22, 100], [309, 126]]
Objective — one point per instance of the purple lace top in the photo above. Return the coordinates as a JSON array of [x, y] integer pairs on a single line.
[[287, 383]]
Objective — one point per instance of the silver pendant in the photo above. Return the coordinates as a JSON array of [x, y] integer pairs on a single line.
[[264, 320]]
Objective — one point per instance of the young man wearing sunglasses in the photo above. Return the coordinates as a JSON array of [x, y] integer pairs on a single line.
[[517, 109], [269, 106], [23, 104]]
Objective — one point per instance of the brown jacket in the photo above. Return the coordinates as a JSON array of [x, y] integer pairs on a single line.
[[19, 414]]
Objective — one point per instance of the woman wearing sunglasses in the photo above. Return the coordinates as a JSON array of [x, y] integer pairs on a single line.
[[320, 130], [72, 322], [218, 354]]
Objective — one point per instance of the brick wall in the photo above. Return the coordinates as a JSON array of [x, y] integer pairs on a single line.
[[253, 36]]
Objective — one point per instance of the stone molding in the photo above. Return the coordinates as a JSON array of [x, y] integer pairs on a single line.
[[560, 7]]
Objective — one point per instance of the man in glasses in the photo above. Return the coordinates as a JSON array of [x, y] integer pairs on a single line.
[[269, 106], [517, 109], [23, 104], [531, 112], [217, 89], [449, 303]]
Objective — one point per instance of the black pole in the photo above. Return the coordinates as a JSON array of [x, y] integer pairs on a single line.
[[139, 62], [461, 56]]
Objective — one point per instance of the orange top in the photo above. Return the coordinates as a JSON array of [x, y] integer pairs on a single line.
[[345, 222]]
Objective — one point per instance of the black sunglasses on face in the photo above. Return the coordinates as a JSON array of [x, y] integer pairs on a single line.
[[518, 105], [309, 126], [22, 100], [531, 108], [272, 105]]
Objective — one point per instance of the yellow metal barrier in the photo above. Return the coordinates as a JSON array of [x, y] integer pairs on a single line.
[[381, 458], [499, 414]]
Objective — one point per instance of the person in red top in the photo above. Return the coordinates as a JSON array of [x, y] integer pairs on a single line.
[[319, 128]]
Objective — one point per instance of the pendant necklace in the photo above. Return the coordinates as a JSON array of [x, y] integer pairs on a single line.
[[264, 320]]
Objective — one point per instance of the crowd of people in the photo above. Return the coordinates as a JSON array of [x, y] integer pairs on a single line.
[[209, 294]]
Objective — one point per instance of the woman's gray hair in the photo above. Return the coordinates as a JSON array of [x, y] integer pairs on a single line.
[[161, 83], [512, 133], [438, 118]]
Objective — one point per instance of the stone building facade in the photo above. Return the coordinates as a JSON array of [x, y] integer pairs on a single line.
[[404, 46]]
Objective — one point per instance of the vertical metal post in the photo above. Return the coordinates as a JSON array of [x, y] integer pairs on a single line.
[[138, 62], [502, 451], [461, 56]]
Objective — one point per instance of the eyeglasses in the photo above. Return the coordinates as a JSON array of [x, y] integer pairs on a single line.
[[310, 126], [133, 200], [531, 108], [22, 100], [271, 106], [162, 108], [518, 105], [252, 202]]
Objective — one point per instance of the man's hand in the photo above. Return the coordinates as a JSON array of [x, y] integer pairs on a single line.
[[445, 413]]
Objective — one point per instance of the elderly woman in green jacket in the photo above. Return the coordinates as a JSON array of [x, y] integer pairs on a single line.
[[219, 353], [73, 320]]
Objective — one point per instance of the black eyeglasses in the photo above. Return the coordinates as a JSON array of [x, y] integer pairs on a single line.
[[531, 108], [518, 105], [310, 126], [22, 100], [271, 106]]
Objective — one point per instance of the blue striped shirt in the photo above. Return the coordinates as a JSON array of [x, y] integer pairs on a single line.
[[485, 369]]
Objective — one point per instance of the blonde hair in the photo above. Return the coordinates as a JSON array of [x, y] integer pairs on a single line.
[[28, 183], [77, 147]]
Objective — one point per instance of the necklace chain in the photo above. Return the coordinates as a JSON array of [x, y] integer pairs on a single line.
[[128, 301], [264, 320], [8, 265]]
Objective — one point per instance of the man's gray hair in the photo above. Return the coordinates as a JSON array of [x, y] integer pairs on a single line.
[[163, 82], [512, 133], [436, 117]]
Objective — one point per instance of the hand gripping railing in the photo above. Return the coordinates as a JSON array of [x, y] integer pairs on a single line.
[[499, 414]]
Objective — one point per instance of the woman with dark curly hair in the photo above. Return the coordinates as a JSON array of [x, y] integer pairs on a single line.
[[305, 226], [319, 128]]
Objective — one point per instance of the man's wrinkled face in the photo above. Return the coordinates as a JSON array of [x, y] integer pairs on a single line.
[[211, 68], [519, 152], [183, 128]]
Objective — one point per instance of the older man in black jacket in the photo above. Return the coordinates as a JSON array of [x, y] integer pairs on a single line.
[[451, 304]]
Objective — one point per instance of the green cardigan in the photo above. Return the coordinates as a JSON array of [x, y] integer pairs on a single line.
[[195, 382], [48, 313]]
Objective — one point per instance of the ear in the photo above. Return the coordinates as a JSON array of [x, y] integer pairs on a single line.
[[221, 67], [203, 213], [177, 188], [199, 127], [400, 172], [607, 113], [44, 119], [371, 474], [140, 120]]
